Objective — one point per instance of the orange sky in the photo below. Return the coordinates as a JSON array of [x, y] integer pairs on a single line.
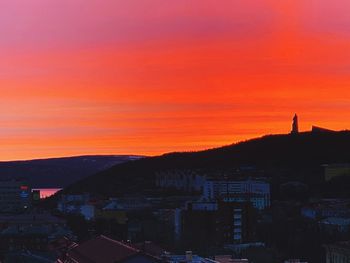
[[152, 76]]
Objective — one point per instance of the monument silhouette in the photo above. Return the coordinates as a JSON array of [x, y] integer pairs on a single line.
[[295, 125]]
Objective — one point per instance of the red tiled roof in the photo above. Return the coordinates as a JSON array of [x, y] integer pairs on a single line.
[[101, 250]]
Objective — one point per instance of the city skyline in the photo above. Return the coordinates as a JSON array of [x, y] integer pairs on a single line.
[[149, 77]]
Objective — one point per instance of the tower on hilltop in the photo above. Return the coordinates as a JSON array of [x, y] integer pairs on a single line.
[[295, 125]]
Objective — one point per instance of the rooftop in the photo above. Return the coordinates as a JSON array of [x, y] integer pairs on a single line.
[[340, 221], [150, 248], [102, 250]]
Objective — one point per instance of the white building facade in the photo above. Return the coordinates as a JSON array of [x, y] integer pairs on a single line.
[[257, 192]]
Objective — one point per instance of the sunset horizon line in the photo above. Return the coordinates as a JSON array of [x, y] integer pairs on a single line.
[[144, 155]]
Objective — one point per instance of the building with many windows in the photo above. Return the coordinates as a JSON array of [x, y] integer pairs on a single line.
[[338, 253], [183, 180], [253, 191], [218, 223]]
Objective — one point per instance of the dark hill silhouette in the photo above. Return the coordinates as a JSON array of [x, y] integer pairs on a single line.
[[289, 157], [58, 172]]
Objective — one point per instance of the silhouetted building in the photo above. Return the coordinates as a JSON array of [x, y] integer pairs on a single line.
[[335, 225], [172, 219], [33, 238], [30, 231], [235, 222], [338, 253], [316, 129], [15, 196], [206, 224], [326, 208], [36, 196], [295, 125], [76, 204], [334, 170], [30, 219]]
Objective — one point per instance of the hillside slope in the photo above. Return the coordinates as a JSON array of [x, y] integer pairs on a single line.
[[58, 172], [282, 157]]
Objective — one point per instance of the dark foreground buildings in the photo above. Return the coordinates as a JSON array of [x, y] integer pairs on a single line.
[[105, 250], [15, 196], [338, 253]]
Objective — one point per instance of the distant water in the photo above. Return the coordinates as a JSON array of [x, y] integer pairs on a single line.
[[47, 192]]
